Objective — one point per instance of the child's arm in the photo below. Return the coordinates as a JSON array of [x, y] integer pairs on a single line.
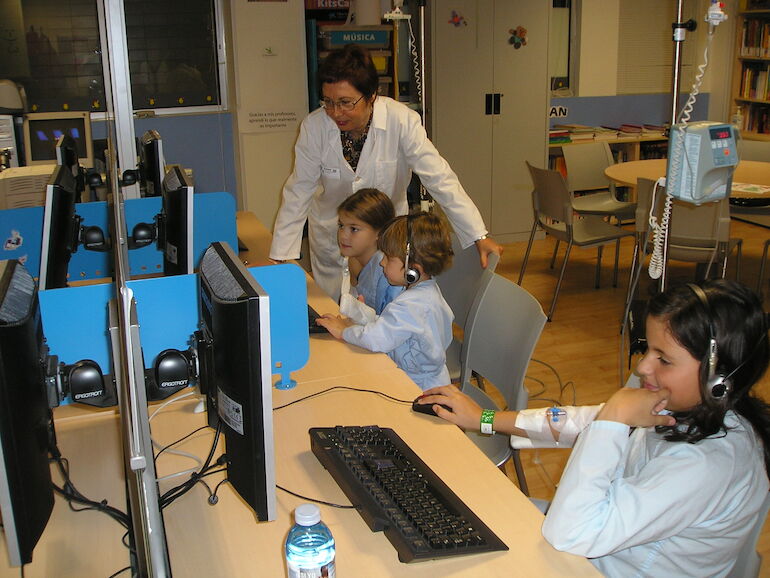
[[334, 324]]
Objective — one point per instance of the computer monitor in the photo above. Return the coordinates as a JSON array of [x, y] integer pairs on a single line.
[[42, 129], [61, 229], [26, 422], [152, 164], [175, 223], [235, 372]]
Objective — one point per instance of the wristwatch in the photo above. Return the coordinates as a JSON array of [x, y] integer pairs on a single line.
[[480, 238]]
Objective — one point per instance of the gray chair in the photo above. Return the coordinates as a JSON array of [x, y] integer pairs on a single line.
[[554, 213], [754, 150], [504, 325], [749, 561], [459, 285], [697, 233], [585, 174]]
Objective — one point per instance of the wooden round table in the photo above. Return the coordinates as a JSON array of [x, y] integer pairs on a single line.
[[750, 172]]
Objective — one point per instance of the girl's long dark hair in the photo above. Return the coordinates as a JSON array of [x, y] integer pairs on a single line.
[[734, 313]]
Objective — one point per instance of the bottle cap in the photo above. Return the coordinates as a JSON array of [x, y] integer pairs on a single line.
[[307, 515]]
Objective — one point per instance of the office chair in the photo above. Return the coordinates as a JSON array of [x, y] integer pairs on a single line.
[[553, 207], [585, 174], [504, 325], [459, 286]]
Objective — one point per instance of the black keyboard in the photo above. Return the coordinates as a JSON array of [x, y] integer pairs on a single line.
[[397, 493], [312, 326]]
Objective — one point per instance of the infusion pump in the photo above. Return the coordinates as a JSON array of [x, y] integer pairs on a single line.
[[701, 159]]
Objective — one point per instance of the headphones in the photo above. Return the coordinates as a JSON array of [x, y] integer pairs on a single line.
[[411, 275], [718, 383]]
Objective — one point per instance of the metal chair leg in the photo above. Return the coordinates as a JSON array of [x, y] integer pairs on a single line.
[[558, 283], [526, 255], [762, 267], [520, 473], [598, 275], [617, 257], [555, 250]]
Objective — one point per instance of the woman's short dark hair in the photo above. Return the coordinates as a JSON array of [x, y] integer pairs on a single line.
[[353, 64], [372, 206], [735, 316], [428, 236]]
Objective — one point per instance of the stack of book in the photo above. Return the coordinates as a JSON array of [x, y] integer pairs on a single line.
[[653, 130], [605, 133], [558, 136], [577, 132]]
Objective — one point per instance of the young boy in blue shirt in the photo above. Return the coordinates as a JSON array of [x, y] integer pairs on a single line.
[[416, 327]]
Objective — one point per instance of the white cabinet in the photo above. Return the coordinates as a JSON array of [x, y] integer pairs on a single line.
[[476, 67]]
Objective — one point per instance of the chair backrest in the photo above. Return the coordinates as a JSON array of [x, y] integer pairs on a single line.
[[644, 189], [748, 562], [754, 150], [694, 230], [550, 197], [503, 328], [585, 166], [459, 283]]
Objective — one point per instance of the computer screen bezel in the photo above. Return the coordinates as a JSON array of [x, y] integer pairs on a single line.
[[250, 470], [176, 223], [87, 159], [152, 163], [61, 227]]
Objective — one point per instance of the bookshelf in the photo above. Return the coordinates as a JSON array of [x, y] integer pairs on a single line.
[[624, 149], [751, 71]]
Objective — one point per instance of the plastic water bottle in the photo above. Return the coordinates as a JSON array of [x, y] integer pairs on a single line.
[[309, 546]]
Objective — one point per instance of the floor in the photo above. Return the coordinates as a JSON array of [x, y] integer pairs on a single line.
[[581, 345]]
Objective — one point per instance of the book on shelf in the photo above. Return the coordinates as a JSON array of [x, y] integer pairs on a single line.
[[653, 130], [603, 133], [621, 134]]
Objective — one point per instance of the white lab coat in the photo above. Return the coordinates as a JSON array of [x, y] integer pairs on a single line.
[[396, 145]]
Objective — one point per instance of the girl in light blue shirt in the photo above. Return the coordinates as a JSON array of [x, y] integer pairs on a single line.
[[361, 219], [416, 327], [667, 479]]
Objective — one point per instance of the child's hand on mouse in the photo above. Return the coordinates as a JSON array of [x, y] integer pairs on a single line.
[[334, 324], [637, 407], [465, 413]]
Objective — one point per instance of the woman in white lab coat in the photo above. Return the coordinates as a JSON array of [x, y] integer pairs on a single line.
[[357, 139]]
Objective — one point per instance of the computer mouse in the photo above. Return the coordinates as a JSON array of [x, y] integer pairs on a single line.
[[426, 408]]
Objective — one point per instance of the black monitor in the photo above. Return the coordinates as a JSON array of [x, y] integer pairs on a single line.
[[175, 223], [235, 373], [152, 165], [26, 424], [61, 228]]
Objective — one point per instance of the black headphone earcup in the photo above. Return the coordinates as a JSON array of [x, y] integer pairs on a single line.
[[412, 276], [719, 385]]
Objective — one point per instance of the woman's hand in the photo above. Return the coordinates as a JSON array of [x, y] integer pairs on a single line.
[[637, 408], [334, 324], [485, 247]]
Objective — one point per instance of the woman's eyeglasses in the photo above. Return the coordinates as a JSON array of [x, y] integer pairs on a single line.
[[344, 104]]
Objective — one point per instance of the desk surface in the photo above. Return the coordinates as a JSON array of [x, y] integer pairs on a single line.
[[753, 172], [225, 539]]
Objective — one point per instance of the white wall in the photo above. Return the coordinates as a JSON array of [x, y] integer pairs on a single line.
[[598, 51], [270, 79]]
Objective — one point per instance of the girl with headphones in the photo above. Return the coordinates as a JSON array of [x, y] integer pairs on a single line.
[[668, 479], [415, 328]]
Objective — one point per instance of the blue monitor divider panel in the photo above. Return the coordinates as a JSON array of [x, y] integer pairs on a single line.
[[213, 220], [76, 319], [168, 315], [76, 324], [21, 231]]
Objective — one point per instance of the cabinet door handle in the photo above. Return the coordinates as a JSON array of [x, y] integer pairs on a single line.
[[496, 103], [488, 107]]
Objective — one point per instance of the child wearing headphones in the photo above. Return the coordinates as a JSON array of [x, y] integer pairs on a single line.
[[416, 327], [365, 290], [668, 479]]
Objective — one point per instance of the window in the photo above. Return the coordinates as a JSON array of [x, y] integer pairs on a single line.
[[173, 51], [560, 40]]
